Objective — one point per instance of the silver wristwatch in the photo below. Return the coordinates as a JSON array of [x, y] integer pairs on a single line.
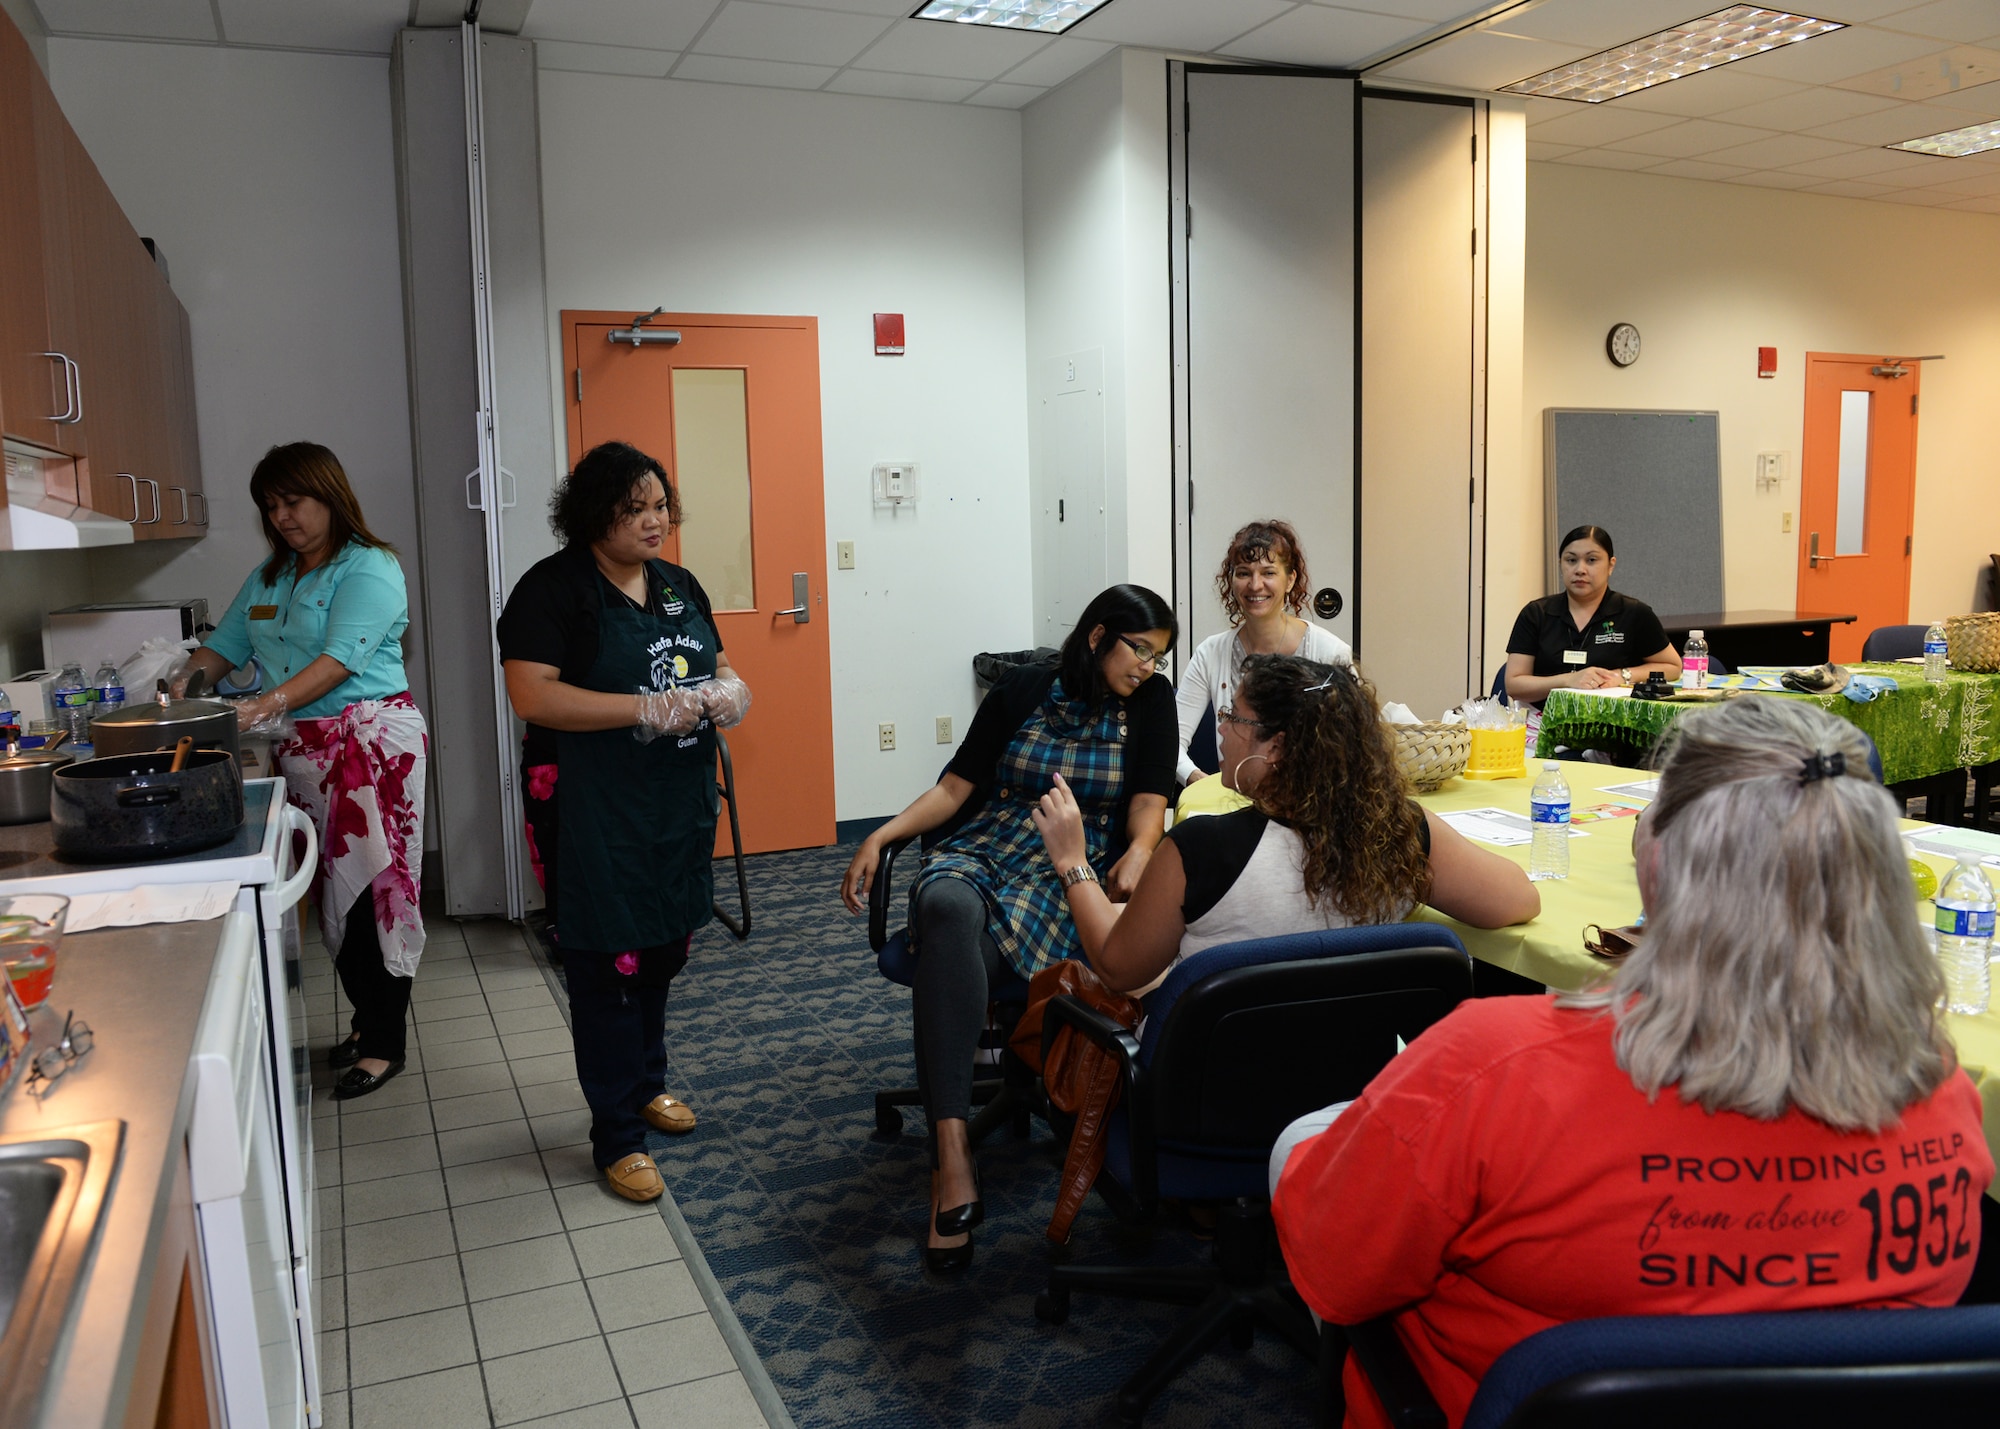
[[1082, 873]]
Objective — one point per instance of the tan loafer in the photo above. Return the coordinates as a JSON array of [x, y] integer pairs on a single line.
[[636, 1178], [669, 1115]]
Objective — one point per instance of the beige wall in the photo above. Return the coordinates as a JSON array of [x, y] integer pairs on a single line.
[[1710, 272]]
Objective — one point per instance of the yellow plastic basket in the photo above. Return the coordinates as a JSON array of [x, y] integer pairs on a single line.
[[1498, 754]]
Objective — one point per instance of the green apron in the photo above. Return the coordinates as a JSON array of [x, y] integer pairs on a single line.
[[638, 820]]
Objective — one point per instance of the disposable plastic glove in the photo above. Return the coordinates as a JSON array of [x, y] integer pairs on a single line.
[[725, 699], [666, 712], [263, 715]]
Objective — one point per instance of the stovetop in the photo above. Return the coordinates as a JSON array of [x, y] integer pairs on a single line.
[[30, 864]]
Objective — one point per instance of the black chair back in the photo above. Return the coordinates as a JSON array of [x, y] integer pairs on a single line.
[[1893, 642], [1201, 744]]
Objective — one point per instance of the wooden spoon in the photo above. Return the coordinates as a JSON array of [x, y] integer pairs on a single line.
[[181, 752]]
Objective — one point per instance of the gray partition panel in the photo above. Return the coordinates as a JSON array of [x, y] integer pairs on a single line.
[[1654, 481]]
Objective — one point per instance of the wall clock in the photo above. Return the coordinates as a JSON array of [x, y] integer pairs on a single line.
[[1621, 344]]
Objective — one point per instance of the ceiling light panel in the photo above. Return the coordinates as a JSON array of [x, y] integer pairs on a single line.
[[1047, 17], [1956, 143], [1686, 49]]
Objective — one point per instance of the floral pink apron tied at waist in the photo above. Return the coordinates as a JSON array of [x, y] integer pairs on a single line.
[[360, 776]]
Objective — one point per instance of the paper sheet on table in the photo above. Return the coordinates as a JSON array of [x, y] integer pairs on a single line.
[[1647, 789], [150, 903], [1950, 843], [1500, 827]]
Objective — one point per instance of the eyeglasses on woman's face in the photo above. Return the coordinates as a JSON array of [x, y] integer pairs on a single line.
[[1257, 726], [1146, 653]]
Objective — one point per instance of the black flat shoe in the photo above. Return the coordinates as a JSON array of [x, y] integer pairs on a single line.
[[344, 1054], [358, 1083], [960, 1219]]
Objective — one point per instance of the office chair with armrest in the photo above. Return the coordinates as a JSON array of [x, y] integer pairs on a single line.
[[1827, 1368], [1240, 1041], [1893, 642]]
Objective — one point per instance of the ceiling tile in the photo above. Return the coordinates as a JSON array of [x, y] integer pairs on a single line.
[[1963, 20], [747, 29], [770, 73], [1840, 55], [1771, 179], [955, 51], [1007, 96], [888, 9], [1856, 12], [603, 59], [1981, 102], [138, 19], [1697, 169], [1598, 124], [1932, 74], [901, 86], [1848, 188], [1434, 11], [1058, 62], [650, 24], [1483, 59], [1316, 35], [1539, 152], [1776, 153], [1594, 24], [1608, 159], [1883, 166], [1892, 126], [1691, 139], [1808, 107], [1977, 205], [1710, 92], [1202, 26], [366, 25], [1982, 185], [1928, 198]]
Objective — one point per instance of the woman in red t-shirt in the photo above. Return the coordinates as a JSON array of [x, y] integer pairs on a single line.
[[1760, 1111]]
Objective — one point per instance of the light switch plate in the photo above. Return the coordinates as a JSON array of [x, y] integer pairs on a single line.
[[1786, 527], [843, 555]]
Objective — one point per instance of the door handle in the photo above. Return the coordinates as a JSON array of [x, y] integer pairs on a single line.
[[1812, 551], [181, 492], [152, 490], [127, 476], [202, 497], [72, 397], [801, 607]]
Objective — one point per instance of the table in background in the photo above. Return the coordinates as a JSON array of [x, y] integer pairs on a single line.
[[1921, 730], [1759, 637]]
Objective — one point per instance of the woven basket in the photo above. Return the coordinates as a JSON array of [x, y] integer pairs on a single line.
[[1974, 642], [1431, 755]]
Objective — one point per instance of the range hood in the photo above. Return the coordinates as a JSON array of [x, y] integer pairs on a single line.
[[37, 521]]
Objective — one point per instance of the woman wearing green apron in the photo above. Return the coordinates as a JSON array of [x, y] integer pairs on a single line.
[[614, 651]]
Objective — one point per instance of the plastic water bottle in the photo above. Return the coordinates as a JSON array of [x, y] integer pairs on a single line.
[[73, 700], [1936, 653], [1965, 936], [110, 687], [1694, 663], [1548, 855]]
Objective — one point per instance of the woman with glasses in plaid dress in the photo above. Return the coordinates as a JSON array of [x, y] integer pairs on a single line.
[[1099, 719]]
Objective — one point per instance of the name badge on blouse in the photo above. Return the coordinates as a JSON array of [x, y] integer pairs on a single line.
[[1574, 657], [263, 612]]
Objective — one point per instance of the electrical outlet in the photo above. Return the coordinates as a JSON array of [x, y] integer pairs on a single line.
[[843, 555], [885, 735], [1787, 526], [944, 729]]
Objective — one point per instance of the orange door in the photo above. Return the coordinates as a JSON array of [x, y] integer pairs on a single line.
[[1857, 493], [732, 411]]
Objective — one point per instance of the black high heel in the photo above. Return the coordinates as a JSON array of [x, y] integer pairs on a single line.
[[947, 1259], [960, 1219]]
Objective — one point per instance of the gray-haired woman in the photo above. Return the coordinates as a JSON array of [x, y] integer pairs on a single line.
[[1760, 1111]]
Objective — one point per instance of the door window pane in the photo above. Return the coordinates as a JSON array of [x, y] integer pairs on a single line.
[[712, 467], [1851, 529]]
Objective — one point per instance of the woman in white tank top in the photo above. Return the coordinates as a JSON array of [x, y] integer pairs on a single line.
[[1331, 839]]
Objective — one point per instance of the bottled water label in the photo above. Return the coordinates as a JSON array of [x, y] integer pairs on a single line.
[[1934, 647], [1549, 813], [1964, 922]]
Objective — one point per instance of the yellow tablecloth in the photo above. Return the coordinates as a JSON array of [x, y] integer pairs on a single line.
[[1603, 889]]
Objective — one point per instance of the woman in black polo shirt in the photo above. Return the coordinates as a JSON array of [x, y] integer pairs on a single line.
[[1586, 636], [611, 654]]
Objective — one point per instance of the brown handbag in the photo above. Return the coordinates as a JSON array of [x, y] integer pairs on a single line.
[[1081, 1077]]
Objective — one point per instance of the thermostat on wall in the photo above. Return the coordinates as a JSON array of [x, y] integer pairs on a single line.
[[896, 483]]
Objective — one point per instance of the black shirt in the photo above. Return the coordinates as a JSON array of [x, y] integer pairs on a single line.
[[1624, 632], [1216, 848], [551, 619]]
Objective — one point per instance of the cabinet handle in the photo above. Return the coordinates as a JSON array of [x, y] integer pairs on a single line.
[[202, 497], [72, 405], [181, 492], [153, 489], [76, 373], [127, 476]]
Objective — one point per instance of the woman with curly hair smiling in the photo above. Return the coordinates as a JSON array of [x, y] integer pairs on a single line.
[[1330, 838]]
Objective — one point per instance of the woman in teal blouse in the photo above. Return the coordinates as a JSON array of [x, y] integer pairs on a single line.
[[324, 617]]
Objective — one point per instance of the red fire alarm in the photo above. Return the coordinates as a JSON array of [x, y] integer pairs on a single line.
[[1767, 362], [888, 334]]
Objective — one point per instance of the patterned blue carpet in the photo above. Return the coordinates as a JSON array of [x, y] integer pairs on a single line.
[[812, 1223]]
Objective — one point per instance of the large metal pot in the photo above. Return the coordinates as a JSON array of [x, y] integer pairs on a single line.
[[133, 806], [25, 779], [149, 724]]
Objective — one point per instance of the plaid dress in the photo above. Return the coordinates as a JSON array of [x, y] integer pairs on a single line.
[[998, 850]]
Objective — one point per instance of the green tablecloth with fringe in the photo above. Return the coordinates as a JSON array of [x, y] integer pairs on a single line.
[[1920, 729]]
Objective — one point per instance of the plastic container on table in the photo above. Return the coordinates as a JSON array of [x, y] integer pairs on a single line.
[[1497, 754]]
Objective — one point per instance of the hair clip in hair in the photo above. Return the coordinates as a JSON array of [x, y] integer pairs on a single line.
[[1822, 766]]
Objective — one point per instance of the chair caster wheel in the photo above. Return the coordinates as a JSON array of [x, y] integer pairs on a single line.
[[1243, 1336], [1052, 1307], [888, 1121]]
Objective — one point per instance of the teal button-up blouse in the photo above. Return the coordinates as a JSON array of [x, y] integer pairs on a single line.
[[354, 608]]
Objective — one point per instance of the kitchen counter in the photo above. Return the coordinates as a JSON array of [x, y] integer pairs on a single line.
[[141, 990]]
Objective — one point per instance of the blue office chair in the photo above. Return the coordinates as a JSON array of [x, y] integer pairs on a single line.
[[1820, 1367], [1893, 642], [1240, 1041]]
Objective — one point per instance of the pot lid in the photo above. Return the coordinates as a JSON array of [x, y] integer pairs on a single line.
[[28, 758], [152, 712]]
